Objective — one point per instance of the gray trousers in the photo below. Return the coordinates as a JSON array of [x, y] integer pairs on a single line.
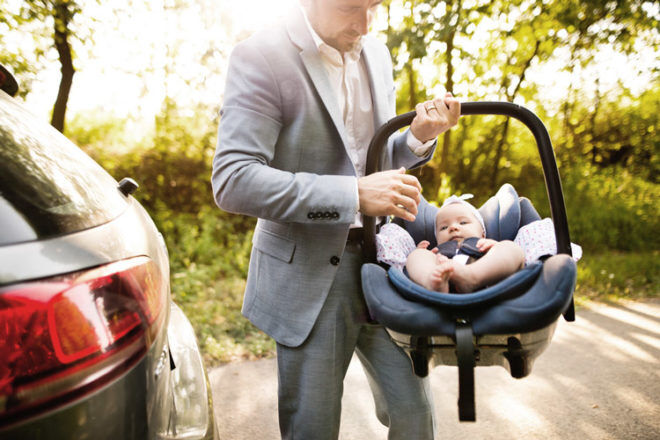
[[311, 376]]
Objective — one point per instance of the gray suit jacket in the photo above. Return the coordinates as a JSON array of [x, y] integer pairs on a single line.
[[281, 157]]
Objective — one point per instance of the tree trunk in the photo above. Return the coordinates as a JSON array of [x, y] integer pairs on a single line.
[[412, 85], [62, 17], [499, 152], [505, 129], [449, 86]]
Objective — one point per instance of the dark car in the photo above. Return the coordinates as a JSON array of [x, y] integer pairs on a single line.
[[91, 344]]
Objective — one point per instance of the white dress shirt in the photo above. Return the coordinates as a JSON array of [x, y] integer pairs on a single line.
[[350, 83]]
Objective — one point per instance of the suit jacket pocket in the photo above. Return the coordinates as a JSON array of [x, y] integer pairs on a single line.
[[274, 245]]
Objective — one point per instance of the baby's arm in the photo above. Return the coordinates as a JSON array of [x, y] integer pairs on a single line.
[[485, 244]]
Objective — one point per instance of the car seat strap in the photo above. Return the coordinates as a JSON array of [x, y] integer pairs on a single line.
[[465, 355]]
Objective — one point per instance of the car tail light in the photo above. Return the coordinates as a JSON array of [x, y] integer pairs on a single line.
[[63, 337]]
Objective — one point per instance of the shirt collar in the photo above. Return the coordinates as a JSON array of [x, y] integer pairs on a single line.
[[329, 52]]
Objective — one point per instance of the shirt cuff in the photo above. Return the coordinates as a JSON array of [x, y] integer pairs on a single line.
[[419, 148]]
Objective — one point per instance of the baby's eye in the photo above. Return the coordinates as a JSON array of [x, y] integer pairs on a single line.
[[465, 222], [442, 228]]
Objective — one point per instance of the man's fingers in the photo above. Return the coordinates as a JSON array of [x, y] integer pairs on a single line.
[[411, 181], [400, 201], [407, 185], [402, 213], [440, 104], [411, 192], [390, 192], [454, 106]]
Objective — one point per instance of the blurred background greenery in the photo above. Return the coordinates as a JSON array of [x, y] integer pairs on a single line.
[[587, 68]]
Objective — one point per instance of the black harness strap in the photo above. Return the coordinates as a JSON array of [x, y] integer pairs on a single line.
[[466, 363]]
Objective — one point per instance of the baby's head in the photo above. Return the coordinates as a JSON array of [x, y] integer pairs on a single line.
[[457, 220]]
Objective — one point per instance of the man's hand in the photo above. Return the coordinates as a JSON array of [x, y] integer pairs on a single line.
[[390, 192], [435, 117]]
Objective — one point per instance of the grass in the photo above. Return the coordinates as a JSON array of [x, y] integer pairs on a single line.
[[615, 275], [213, 303]]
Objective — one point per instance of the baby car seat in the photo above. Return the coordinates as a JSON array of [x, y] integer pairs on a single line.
[[508, 324]]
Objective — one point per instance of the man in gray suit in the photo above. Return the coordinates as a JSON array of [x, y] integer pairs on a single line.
[[302, 101]]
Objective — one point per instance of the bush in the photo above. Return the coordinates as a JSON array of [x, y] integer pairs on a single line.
[[609, 208], [614, 274], [209, 255]]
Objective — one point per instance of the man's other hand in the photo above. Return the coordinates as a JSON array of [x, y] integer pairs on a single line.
[[391, 192], [435, 117]]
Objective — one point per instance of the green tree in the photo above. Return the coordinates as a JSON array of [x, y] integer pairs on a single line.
[[61, 14], [23, 63], [586, 25], [487, 50]]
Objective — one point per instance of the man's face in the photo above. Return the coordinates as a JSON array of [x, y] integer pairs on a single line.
[[456, 222], [341, 23]]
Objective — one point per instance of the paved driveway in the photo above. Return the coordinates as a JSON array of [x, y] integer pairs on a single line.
[[599, 379]]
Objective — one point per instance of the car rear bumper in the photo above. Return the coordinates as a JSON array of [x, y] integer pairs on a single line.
[[166, 395], [191, 416]]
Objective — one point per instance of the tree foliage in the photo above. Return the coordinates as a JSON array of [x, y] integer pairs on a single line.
[[479, 49], [606, 141], [489, 48]]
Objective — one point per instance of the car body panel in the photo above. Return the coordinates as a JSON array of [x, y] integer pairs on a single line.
[[50, 183], [129, 235], [163, 392]]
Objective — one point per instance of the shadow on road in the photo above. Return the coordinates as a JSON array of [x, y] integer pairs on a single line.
[[599, 379]]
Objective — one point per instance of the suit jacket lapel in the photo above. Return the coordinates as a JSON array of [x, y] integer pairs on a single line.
[[311, 59]]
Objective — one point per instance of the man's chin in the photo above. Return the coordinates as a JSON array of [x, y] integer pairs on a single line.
[[350, 44]]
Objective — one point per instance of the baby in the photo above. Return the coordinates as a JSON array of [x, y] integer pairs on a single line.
[[458, 225], [457, 220]]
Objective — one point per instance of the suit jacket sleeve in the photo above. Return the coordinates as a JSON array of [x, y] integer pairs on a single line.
[[243, 179], [398, 154]]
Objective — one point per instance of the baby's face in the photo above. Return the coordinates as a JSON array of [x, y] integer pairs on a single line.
[[456, 222]]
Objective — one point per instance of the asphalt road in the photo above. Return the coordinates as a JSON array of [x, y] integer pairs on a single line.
[[599, 379]]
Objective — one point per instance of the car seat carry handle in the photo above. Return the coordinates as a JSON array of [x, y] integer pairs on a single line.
[[548, 162]]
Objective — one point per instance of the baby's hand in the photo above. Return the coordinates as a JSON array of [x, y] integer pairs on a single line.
[[485, 244], [424, 244]]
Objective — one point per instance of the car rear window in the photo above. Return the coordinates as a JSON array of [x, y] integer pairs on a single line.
[[48, 186]]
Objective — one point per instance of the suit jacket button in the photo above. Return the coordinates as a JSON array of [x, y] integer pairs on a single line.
[[310, 215], [334, 260]]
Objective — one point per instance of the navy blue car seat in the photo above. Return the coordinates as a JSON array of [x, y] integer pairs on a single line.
[[508, 324]]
